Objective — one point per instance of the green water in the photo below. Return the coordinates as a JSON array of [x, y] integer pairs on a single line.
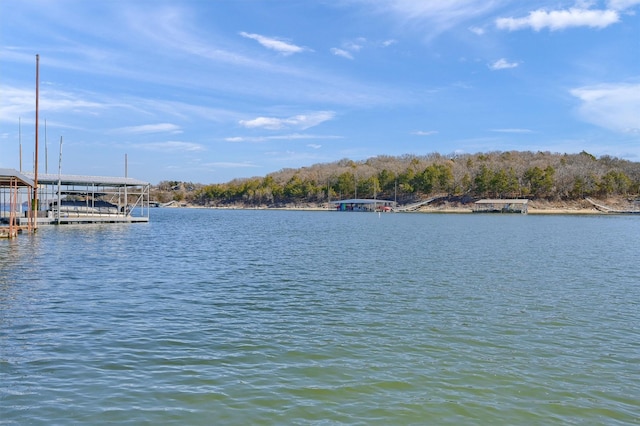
[[275, 317]]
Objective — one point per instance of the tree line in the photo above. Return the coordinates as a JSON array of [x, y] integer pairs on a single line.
[[408, 178]]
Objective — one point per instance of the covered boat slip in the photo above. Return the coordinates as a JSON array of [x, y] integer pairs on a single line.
[[516, 205], [15, 188], [363, 205], [70, 199]]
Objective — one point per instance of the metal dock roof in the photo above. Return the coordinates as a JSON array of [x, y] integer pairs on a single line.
[[52, 179], [504, 201], [6, 176], [361, 201]]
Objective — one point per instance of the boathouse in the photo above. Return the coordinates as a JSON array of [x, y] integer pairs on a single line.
[[363, 205], [15, 188], [73, 199], [516, 205]]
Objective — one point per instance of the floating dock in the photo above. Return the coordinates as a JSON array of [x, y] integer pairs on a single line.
[[607, 209], [14, 187], [363, 205], [73, 199], [514, 205], [69, 199]]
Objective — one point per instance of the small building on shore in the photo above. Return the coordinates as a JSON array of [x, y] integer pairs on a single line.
[[363, 205], [514, 205]]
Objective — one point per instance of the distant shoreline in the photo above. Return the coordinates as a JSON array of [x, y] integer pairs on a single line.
[[617, 205], [533, 209]]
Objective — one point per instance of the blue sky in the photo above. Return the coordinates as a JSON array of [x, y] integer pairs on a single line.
[[208, 91]]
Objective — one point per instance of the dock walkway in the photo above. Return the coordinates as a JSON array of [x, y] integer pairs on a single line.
[[416, 206], [606, 209]]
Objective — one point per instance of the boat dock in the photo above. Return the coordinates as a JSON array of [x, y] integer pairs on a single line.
[[69, 199], [415, 206], [607, 209], [515, 205], [28, 200], [363, 205], [14, 187]]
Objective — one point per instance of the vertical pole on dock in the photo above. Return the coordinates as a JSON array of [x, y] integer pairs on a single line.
[[126, 172], [20, 140], [46, 149], [59, 181], [34, 206]]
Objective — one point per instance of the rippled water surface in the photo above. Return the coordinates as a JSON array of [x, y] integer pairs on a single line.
[[280, 317]]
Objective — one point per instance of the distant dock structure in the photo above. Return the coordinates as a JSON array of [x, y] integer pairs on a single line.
[[363, 205], [514, 205]]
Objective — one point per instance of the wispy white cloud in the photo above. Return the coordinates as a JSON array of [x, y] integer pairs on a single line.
[[173, 32], [314, 146], [230, 165], [560, 19], [302, 121], [612, 106], [355, 45], [270, 123], [341, 52], [349, 48], [502, 64], [296, 136], [170, 146], [622, 4], [234, 139], [293, 136], [151, 128], [512, 130], [432, 18], [424, 132], [15, 103], [477, 30], [276, 44]]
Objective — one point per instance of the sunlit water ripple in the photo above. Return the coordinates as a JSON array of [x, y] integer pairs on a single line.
[[279, 317]]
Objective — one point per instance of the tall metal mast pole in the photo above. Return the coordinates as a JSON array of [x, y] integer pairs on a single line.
[[46, 149], [126, 172], [35, 207], [59, 181], [20, 140]]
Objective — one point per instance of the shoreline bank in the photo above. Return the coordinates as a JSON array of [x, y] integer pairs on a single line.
[[447, 210], [536, 207]]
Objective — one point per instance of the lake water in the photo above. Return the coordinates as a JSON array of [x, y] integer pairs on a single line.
[[290, 317]]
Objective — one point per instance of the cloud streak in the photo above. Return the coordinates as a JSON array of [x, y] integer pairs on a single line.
[[349, 48], [302, 121], [341, 52], [432, 18], [151, 128], [503, 64], [517, 131], [560, 19], [231, 165], [612, 106], [171, 146], [276, 44], [293, 136], [622, 4]]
